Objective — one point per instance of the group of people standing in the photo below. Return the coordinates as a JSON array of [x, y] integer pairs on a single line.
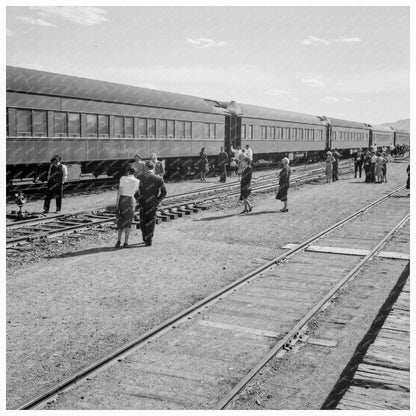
[[237, 162], [374, 164], [143, 183]]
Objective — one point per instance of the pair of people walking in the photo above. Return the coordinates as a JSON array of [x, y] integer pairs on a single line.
[[149, 192], [284, 183]]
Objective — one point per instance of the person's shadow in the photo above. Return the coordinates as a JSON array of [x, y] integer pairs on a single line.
[[94, 251]]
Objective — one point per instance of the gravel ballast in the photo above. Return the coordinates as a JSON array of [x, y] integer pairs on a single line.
[[73, 300]]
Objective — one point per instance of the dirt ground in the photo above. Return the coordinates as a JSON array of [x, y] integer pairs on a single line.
[[72, 300]]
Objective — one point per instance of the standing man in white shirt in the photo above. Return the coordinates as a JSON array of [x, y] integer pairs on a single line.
[[249, 153], [237, 152]]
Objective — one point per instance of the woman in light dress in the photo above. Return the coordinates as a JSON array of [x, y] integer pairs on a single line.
[[328, 166]]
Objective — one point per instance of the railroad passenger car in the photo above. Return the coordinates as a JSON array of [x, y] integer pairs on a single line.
[[97, 127], [346, 135], [401, 137], [381, 136], [272, 133]]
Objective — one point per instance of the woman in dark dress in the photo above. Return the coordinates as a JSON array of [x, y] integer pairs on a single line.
[[284, 180], [245, 186], [203, 164], [408, 178]]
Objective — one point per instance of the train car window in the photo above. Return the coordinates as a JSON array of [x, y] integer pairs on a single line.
[[300, 136], [74, 125], [128, 127], [171, 129], [188, 129], [286, 133], [103, 126], [212, 131], [206, 131], [142, 127], [318, 135], [92, 124], [278, 133], [60, 124], [270, 133], [24, 122], [40, 127], [151, 127], [243, 131], [250, 132], [7, 122], [118, 126], [180, 129], [163, 129]]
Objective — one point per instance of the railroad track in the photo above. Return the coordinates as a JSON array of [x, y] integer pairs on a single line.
[[204, 356], [173, 207], [38, 189]]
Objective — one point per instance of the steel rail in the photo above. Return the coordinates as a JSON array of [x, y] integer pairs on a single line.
[[184, 314], [309, 315], [11, 242]]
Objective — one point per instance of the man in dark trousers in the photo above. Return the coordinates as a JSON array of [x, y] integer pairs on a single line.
[[222, 164], [57, 175], [336, 155], [358, 162], [152, 190]]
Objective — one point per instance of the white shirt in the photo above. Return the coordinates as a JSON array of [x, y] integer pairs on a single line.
[[64, 172], [249, 154], [237, 153], [129, 185]]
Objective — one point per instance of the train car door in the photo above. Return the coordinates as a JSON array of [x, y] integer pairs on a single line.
[[232, 132]]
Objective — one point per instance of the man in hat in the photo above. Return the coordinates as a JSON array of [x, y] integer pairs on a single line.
[[152, 190], [222, 164], [139, 166], [57, 176]]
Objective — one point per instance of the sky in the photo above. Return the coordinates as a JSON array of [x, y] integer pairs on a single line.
[[345, 62]]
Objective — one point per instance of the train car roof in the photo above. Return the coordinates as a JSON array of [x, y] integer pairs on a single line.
[[338, 122], [31, 81], [252, 111], [386, 129], [401, 131]]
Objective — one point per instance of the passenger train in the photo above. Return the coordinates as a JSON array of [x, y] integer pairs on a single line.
[[97, 127]]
